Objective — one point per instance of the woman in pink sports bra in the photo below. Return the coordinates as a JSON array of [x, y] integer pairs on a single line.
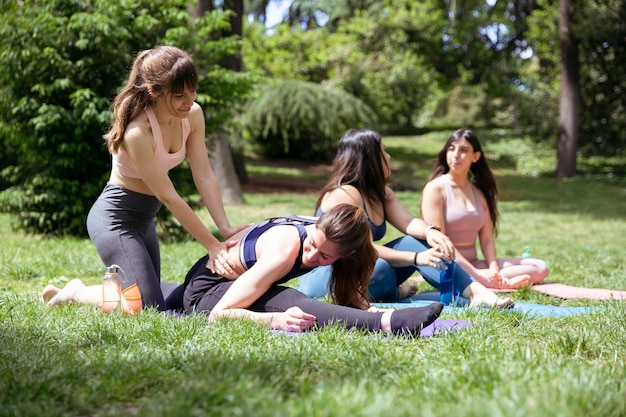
[[157, 123], [466, 207]]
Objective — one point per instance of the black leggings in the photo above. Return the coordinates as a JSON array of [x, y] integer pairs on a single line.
[[204, 290]]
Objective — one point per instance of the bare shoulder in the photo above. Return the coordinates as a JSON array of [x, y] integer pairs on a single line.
[[434, 186], [389, 193], [138, 130], [196, 114], [280, 241], [346, 194]]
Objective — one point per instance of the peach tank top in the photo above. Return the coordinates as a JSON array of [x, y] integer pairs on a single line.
[[121, 161], [462, 226]]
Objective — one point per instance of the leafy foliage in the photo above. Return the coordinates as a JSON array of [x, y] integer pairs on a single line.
[[301, 119], [603, 84], [409, 61], [61, 64], [600, 31]]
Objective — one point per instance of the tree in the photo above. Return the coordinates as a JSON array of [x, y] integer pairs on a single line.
[[600, 29], [569, 98], [221, 155], [379, 54], [61, 64], [257, 9]]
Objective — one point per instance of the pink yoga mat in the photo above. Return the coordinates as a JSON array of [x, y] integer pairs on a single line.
[[569, 291]]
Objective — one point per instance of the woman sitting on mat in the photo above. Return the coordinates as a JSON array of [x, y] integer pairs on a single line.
[[279, 249], [359, 177], [461, 197]]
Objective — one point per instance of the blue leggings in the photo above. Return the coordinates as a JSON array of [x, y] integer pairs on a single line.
[[385, 279], [121, 226]]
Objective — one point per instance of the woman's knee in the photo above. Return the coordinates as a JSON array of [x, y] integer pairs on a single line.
[[315, 283]]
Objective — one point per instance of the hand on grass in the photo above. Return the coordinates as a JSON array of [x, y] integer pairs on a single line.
[[292, 320]]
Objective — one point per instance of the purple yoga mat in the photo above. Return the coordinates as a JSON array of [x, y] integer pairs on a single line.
[[442, 326], [435, 328]]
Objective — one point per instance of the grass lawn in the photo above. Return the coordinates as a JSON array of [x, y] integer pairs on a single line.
[[73, 361]]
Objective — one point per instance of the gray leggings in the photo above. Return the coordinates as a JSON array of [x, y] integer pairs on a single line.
[[121, 226]]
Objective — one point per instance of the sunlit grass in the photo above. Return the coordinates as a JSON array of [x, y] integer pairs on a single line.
[[73, 361]]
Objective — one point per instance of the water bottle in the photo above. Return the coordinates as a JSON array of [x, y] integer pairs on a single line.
[[526, 253], [446, 281], [111, 290]]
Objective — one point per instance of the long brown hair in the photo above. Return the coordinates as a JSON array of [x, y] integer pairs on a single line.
[[482, 176], [348, 226], [359, 162], [155, 72]]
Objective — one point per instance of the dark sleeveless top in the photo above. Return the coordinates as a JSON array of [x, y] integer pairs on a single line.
[[378, 230], [247, 249]]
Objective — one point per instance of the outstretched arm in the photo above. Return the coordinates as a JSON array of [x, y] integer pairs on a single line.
[[276, 252], [402, 219], [138, 141], [204, 177]]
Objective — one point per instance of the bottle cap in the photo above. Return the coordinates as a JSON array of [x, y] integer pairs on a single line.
[[113, 269]]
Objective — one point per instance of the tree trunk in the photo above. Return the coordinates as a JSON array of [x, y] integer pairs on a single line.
[[221, 157], [569, 96], [224, 169]]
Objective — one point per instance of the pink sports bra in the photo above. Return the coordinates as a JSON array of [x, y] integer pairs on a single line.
[[121, 161], [462, 226]]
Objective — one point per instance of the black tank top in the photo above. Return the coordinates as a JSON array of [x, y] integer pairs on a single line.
[[247, 252]]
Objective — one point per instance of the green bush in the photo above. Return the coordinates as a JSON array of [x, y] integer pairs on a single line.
[[60, 66], [303, 120]]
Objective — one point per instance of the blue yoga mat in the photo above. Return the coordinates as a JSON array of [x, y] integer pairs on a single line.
[[543, 310], [538, 310]]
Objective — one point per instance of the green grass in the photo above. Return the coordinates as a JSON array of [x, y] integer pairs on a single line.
[[73, 361]]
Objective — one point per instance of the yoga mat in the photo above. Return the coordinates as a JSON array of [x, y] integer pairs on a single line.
[[543, 310], [435, 328], [441, 326], [535, 310], [568, 291], [438, 327]]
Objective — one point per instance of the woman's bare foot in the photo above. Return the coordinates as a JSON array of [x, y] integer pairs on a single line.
[[513, 283], [502, 303], [406, 290], [415, 280], [517, 281], [66, 295], [49, 292], [480, 296]]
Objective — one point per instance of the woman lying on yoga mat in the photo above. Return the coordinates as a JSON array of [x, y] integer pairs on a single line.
[[462, 198], [359, 177], [279, 249]]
